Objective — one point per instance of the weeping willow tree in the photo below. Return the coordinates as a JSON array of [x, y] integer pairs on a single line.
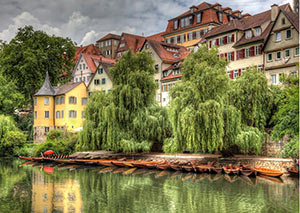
[[126, 119], [201, 116]]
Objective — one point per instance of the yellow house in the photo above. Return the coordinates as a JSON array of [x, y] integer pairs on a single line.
[[59, 107], [101, 80]]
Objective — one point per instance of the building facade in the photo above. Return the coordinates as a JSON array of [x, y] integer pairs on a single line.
[[61, 107], [108, 45], [129, 42], [188, 28], [281, 50]]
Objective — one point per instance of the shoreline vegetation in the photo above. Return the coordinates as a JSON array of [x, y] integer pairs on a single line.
[[208, 112]]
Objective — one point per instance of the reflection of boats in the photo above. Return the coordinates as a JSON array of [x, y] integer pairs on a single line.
[[270, 179], [162, 173], [175, 174], [231, 170], [105, 162], [107, 169], [129, 171], [293, 172], [188, 168], [247, 180], [119, 170], [186, 177], [176, 167], [216, 177], [203, 176], [140, 171], [230, 179], [247, 171], [27, 163], [268, 172]]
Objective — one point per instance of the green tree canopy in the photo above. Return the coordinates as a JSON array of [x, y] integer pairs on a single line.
[[10, 97], [30, 53], [126, 119]]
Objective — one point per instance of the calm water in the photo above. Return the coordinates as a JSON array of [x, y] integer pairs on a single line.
[[46, 188]]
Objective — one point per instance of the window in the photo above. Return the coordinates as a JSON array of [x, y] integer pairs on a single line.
[[287, 53], [109, 42], [198, 34], [235, 74], [230, 56], [181, 38], [62, 114], [257, 31], [213, 43], [82, 114], [80, 79], [274, 79], [175, 24], [76, 79], [72, 100], [221, 41], [175, 40], [35, 101], [182, 23], [198, 18], [46, 101], [260, 68], [57, 100], [220, 17], [278, 36], [288, 34], [248, 34], [46, 130], [83, 101], [247, 52], [190, 36], [62, 100], [176, 72], [72, 114], [297, 51], [100, 70], [165, 73], [115, 42], [122, 45], [119, 54], [228, 73], [256, 50], [96, 81], [83, 66], [278, 55], [35, 114], [80, 66], [283, 21], [84, 78], [169, 40], [57, 114], [46, 114], [269, 57], [103, 80]]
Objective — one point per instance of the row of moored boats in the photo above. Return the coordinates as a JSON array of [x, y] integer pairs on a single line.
[[190, 166]]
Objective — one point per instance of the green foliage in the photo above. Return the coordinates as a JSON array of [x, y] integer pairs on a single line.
[[251, 95], [25, 124], [127, 119], [250, 140], [61, 142], [10, 97], [201, 117], [26, 150], [12, 140], [6, 124], [286, 119], [27, 56]]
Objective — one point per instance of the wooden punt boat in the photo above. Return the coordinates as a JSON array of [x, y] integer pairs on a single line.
[[140, 163], [153, 164], [89, 162], [26, 158], [105, 162], [268, 172], [293, 172], [69, 161], [122, 163], [163, 166], [247, 171], [176, 167], [231, 170], [203, 168]]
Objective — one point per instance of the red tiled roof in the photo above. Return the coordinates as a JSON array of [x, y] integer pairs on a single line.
[[110, 36], [89, 49], [209, 15], [132, 42], [92, 59], [172, 67], [168, 56], [157, 37], [171, 76]]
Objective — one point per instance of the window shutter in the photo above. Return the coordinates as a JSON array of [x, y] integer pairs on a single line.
[[260, 49], [252, 51], [226, 56], [243, 53], [217, 42], [237, 55], [231, 74], [263, 67], [209, 44], [225, 39], [240, 72], [232, 56], [232, 38]]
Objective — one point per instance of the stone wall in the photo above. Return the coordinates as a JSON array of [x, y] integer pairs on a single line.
[[273, 148]]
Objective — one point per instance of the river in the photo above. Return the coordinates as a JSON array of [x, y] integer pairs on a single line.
[[50, 188]]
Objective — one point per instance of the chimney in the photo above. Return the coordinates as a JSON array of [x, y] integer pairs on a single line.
[[274, 11]]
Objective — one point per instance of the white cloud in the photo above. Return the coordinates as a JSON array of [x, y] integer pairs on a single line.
[[89, 37]]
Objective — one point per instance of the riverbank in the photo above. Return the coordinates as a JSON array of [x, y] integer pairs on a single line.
[[254, 161]]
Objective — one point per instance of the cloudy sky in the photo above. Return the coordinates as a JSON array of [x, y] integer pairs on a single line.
[[85, 21]]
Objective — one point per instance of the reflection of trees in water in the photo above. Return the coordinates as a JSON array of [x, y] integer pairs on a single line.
[[15, 188], [146, 193]]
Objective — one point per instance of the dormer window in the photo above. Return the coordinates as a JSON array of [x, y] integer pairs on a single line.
[[165, 73], [220, 17], [199, 18], [248, 34], [192, 10], [122, 45], [175, 24], [257, 31]]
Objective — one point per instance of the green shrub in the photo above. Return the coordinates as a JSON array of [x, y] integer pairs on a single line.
[[10, 141], [26, 150]]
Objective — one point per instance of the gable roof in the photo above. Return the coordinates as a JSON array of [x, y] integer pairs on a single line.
[[106, 67], [89, 49], [46, 89], [132, 42], [173, 67], [109, 36], [93, 60], [63, 89], [157, 37], [166, 53]]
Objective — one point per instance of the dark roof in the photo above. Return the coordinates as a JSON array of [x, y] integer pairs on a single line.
[[110, 36], [63, 89], [46, 89]]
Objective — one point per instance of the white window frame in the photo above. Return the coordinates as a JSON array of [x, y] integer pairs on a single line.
[[248, 34], [175, 24], [235, 74], [257, 31], [287, 51], [277, 55], [46, 101], [247, 52], [46, 114], [182, 38], [268, 59], [286, 34], [296, 54], [274, 80], [199, 18], [277, 36]]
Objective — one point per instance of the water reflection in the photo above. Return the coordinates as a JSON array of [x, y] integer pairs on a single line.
[[67, 188]]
